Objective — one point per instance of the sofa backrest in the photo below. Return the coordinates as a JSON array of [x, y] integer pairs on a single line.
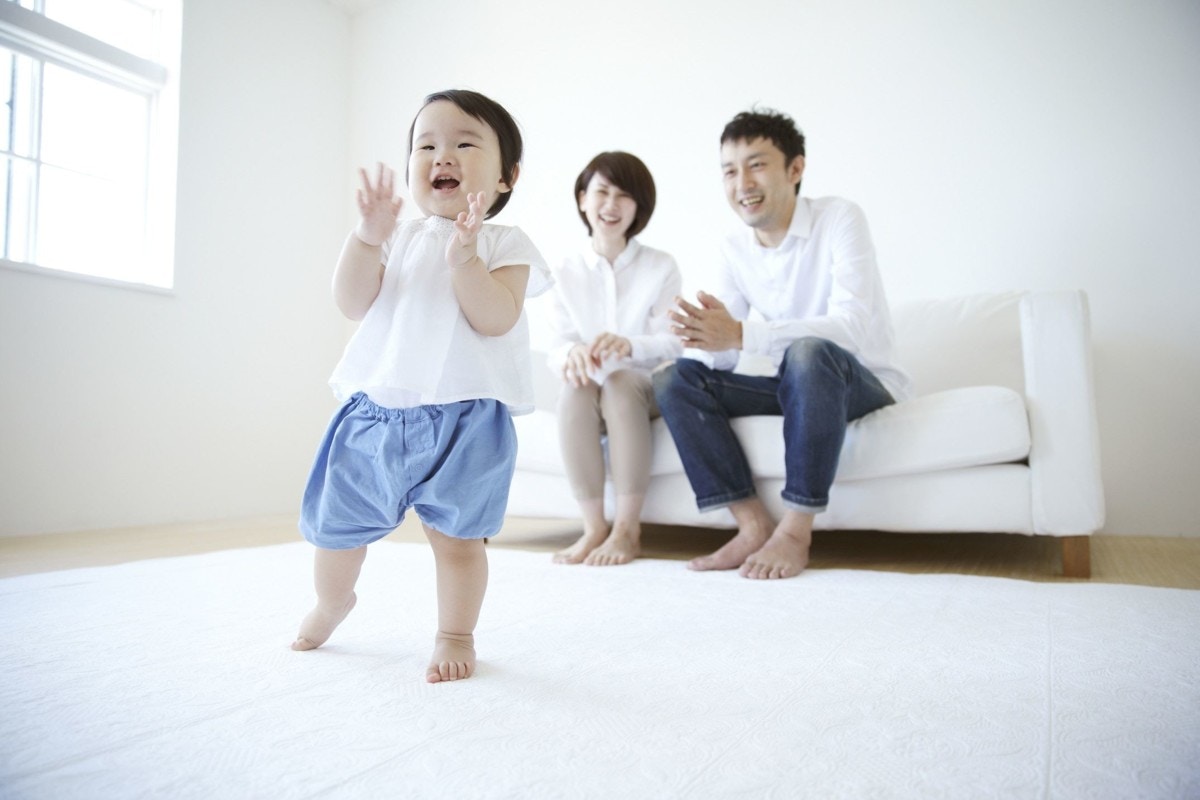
[[546, 385], [943, 343], [970, 340]]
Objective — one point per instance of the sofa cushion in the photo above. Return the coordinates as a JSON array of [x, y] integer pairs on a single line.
[[956, 428]]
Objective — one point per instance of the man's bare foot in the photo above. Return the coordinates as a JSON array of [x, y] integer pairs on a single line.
[[453, 657], [578, 552], [750, 537], [319, 625], [623, 546], [785, 555]]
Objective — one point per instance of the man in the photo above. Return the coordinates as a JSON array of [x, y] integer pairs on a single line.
[[808, 267]]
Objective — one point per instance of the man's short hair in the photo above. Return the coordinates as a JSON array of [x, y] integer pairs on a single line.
[[496, 117], [766, 123], [629, 174]]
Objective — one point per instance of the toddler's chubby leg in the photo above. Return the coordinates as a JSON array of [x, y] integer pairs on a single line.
[[334, 574], [462, 574]]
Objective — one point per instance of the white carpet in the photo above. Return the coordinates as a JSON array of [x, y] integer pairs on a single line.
[[173, 679]]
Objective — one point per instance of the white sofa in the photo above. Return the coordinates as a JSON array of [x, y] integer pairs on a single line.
[[1000, 436]]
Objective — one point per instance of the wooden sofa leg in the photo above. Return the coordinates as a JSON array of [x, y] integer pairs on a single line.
[[1077, 556]]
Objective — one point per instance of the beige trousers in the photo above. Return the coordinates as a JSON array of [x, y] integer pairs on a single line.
[[622, 409]]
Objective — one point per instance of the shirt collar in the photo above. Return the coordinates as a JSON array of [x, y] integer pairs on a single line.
[[799, 228], [439, 225], [594, 260]]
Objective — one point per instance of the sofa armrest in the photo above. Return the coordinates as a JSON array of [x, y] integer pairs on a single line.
[[1064, 454]]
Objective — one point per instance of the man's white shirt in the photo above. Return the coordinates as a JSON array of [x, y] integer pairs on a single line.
[[822, 281]]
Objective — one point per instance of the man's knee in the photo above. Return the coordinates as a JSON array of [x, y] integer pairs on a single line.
[[664, 379], [809, 349], [678, 376], [812, 352]]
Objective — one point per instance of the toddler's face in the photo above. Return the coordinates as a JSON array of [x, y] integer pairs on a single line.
[[452, 154]]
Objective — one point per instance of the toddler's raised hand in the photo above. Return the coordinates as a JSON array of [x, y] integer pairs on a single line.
[[461, 249], [379, 206]]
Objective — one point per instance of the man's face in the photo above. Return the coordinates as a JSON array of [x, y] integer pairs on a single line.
[[760, 186]]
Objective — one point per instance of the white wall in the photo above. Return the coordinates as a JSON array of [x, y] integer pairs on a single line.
[[121, 407], [994, 145]]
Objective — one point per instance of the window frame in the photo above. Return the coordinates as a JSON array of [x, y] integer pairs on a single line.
[[32, 34]]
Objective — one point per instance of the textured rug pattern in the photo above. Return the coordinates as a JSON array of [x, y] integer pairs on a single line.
[[172, 678]]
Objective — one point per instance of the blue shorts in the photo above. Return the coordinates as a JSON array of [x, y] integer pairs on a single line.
[[452, 463]]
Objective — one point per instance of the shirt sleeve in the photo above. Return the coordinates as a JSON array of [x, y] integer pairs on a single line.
[[853, 296], [660, 343], [565, 332], [510, 247]]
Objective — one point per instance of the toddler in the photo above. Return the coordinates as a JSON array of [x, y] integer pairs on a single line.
[[431, 377]]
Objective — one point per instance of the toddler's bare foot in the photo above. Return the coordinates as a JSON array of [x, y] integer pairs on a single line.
[[785, 555], [576, 553], [453, 657], [621, 547], [319, 625]]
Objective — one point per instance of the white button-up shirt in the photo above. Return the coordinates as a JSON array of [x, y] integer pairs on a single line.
[[630, 298], [822, 280]]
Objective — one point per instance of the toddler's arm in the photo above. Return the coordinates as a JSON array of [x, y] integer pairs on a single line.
[[359, 273], [492, 301]]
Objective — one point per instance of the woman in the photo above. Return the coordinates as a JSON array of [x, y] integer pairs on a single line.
[[611, 327]]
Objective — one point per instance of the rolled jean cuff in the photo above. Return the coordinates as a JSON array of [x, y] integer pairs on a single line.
[[804, 509], [803, 505], [716, 501]]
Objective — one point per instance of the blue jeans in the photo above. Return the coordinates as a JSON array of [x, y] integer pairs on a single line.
[[818, 390]]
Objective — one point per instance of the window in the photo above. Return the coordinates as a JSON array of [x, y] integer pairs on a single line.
[[88, 132]]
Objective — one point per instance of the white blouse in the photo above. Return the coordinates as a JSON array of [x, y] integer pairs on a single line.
[[415, 345], [630, 297]]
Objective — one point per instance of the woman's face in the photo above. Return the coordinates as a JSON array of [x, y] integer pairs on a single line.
[[609, 209]]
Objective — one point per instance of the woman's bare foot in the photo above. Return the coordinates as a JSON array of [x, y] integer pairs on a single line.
[[583, 547], [453, 657], [753, 531], [320, 624], [783, 556], [623, 546]]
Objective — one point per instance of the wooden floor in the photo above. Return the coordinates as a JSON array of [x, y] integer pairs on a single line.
[[1145, 560]]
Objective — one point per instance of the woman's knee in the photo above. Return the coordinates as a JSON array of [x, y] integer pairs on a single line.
[[626, 388], [579, 401]]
